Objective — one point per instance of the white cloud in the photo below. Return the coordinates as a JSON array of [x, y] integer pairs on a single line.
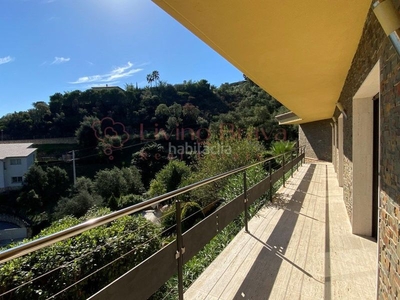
[[59, 60], [113, 76], [7, 59]]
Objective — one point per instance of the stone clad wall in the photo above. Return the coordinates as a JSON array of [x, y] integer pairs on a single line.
[[389, 228], [389, 248], [374, 46], [364, 60], [317, 137]]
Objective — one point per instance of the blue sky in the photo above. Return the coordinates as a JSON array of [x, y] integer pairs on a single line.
[[50, 46]]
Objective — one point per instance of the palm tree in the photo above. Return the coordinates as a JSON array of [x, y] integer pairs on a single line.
[[279, 148], [156, 76], [153, 77], [150, 79]]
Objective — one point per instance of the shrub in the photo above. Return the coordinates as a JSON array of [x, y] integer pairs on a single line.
[[235, 152], [169, 178], [81, 256], [76, 206], [128, 200], [281, 147], [118, 182], [191, 213]]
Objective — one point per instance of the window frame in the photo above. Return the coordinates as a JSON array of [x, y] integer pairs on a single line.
[[17, 179], [15, 161]]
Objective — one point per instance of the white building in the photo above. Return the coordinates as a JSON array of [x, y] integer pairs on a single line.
[[15, 160]]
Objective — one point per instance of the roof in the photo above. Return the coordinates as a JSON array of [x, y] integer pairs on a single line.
[[16, 150], [287, 118], [298, 51], [100, 88]]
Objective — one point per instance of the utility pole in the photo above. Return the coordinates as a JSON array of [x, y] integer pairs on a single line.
[[73, 166]]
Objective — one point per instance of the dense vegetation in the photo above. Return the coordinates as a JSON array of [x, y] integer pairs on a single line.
[[80, 256], [117, 247], [136, 127], [231, 126], [188, 105]]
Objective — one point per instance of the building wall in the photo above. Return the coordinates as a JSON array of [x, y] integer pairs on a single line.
[[14, 171], [317, 137], [30, 160], [374, 46], [1, 174]]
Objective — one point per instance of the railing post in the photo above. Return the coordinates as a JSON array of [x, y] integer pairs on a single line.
[[270, 181], [297, 155], [179, 247], [301, 153], [246, 213], [304, 157], [283, 167], [291, 162]]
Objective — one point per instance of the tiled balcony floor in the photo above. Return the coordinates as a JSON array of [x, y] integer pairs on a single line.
[[299, 248]]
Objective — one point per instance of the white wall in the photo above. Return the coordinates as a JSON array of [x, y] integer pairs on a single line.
[[363, 153], [30, 160], [340, 150], [362, 166], [15, 170]]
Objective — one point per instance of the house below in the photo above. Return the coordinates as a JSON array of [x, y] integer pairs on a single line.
[[15, 160], [107, 88]]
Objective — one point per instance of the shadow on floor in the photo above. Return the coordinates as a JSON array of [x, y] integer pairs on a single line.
[[262, 275]]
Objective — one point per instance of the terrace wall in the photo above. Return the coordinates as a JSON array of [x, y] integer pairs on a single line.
[[317, 139]]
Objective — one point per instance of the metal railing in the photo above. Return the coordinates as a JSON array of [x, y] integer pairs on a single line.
[[176, 253]]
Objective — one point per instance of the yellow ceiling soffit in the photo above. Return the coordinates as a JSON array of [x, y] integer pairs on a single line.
[[297, 51]]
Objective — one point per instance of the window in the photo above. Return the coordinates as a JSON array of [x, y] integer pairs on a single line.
[[15, 161], [16, 179]]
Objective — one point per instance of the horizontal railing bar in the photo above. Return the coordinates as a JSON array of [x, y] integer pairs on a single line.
[[93, 223]]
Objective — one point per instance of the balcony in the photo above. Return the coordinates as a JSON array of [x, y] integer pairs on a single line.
[[298, 245]]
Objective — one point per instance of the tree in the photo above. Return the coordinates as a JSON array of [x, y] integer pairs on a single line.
[[150, 160], [76, 206], [81, 198], [222, 153], [150, 79], [281, 149], [169, 178], [57, 184], [153, 77], [156, 76], [40, 116], [162, 114], [118, 182], [41, 192], [88, 132], [190, 114], [175, 118]]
